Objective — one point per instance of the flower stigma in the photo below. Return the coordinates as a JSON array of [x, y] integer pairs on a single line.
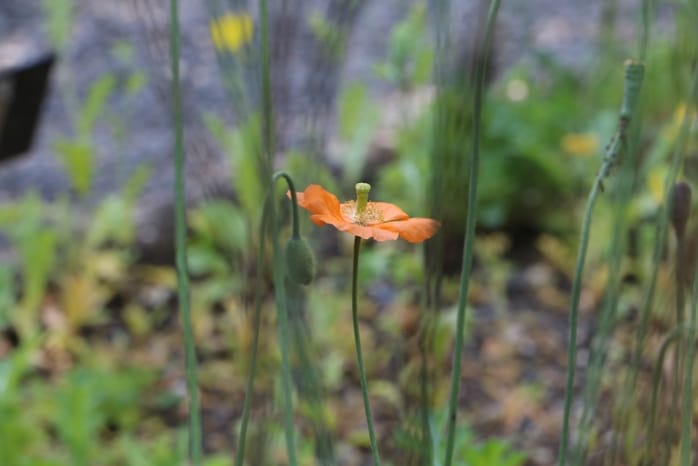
[[364, 213], [362, 190]]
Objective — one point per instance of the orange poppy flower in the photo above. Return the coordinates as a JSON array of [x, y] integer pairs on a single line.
[[378, 220]]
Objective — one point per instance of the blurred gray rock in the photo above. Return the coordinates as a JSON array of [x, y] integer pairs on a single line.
[[304, 85]]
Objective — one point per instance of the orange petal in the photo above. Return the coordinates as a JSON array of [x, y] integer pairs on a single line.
[[368, 232], [390, 212], [323, 205], [414, 230]]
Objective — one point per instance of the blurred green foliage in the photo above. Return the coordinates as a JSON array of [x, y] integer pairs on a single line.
[[468, 451], [59, 16], [33, 230], [410, 57], [544, 126]]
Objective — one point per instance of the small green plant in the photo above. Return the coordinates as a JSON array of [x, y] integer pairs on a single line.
[[85, 409], [218, 249], [468, 451], [410, 56], [328, 35], [35, 231]]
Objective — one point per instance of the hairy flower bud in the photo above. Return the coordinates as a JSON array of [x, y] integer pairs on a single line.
[[300, 262], [680, 206]]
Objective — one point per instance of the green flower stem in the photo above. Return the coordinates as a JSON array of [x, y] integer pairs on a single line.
[[687, 409], [249, 387], [278, 255], [280, 292], [267, 108], [424, 411], [656, 380], [195, 434], [680, 305], [599, 348], [660, 238], [469, 236], [576, 290], [645, 17], [283, 331], [634, 72], [359, 355], [282, 312], [294, 202]]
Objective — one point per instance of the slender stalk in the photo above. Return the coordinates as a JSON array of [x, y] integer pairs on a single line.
[[294, 203], [634, 72], [574, 308], [660, 237], [359, 354], [656, 381], [687, 409], [469, 235], [280, 292], [282, 313], [195, 434], [644, 37], [680, 305], [427, 452], [278, 255], [249, 387], [307, 377], [599, 349], [267, 109]]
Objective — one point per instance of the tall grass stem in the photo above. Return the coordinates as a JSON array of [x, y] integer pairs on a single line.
[[656, 380], [633, 81], [687, 408], [195, 433], [469, 235], [249, 386], [574, 311], [645, 23], [660, 237], [267, 107]]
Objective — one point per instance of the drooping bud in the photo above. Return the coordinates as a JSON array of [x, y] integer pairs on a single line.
[[300, 263], [634, 74], [362, 190], [680, 207]]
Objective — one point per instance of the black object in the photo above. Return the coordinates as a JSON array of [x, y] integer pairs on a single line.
[[22, 90]]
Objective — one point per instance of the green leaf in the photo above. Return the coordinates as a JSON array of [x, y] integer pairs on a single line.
[[221, 225], [112, 221], [95, 104], [136, 183], [77, 158], [7, 295], [58, 17], [136, 81]]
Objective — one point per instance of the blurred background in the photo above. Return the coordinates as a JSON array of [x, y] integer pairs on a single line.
[[91, 355]]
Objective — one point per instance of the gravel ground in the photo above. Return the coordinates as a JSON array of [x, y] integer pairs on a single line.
[[565, 28]]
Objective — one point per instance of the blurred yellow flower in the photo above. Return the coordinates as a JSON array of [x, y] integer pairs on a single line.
[[671, 129], [231, 31], [580, 144], [680, 112], [655, 183]]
